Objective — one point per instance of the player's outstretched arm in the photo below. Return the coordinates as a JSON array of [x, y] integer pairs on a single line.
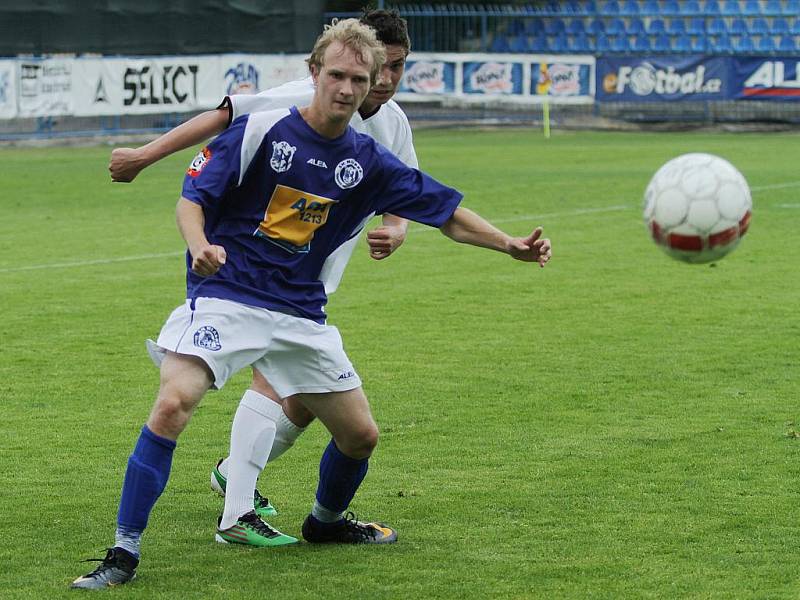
[[127, 163], [468, 227], [388, 237], [207, 258]]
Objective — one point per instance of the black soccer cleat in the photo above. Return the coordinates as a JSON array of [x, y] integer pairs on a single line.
[[118, 567], [348, 531]]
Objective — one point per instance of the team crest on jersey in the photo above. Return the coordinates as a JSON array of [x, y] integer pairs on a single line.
[[348, 173], [282, 153], [199, 162], [208, 338]]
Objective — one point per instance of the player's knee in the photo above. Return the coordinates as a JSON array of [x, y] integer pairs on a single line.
[[360, 443], [171, 413]]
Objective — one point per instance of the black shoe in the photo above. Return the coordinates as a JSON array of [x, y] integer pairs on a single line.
[[118, 567], [347, 531]]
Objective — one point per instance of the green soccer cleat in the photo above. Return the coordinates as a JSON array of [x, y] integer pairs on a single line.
[[261, 504], [250, 530], [118, 567], [348, 531]]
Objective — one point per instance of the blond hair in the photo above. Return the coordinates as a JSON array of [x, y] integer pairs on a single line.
[[357, 37]]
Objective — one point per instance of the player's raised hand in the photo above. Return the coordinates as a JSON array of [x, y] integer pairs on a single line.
[[533, 248], [125, 164], [384, 240], [208, 260]]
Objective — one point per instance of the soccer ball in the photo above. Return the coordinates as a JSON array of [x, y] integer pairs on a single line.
[[697, 207]]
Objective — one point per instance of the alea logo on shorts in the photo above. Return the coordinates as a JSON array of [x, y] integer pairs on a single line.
[[346, 375], [348, 173], [208, 338]]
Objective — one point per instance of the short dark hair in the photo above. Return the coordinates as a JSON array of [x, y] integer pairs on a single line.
[[391, 28]]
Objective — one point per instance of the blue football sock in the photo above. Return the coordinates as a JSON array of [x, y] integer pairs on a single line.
[[339, 478], [145, 479]]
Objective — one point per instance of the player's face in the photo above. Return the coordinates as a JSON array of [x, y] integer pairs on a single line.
[[342, 82], [388, 78]]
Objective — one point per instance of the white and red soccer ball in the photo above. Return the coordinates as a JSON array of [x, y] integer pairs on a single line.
[[697, 207]]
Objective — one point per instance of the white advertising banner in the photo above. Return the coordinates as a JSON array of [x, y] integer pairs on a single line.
[[45, 87], [8, 89], [250, 74]]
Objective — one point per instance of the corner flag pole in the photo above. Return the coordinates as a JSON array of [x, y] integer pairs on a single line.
[[546, 118]]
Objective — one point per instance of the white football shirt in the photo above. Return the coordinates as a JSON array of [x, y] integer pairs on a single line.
[[389, 127]]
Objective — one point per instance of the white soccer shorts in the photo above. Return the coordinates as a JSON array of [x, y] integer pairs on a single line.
[[295, 355]]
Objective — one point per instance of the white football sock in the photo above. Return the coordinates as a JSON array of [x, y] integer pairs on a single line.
[[252, 435], [285, 437]]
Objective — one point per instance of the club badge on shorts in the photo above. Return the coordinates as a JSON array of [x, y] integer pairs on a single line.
[[207, 337]]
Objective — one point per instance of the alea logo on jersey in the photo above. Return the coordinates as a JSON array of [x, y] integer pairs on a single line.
[[207, 337], [348, 173], [199, 162], [282, 153]]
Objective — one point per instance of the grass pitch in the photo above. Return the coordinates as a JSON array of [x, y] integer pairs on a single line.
[[616, 425]]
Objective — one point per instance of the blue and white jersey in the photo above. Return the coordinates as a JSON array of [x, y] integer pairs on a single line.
[[281, 199]]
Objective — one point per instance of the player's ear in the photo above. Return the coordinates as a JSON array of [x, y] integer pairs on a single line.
[[314, 73]]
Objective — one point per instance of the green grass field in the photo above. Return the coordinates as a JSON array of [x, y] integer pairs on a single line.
[[617, 425]]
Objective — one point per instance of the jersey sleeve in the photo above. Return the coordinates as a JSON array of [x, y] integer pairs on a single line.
[[216, 168], [294, 93], [412, 194], [404, 149]]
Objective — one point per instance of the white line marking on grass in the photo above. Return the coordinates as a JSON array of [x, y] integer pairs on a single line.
[[86, 263], [775, 186]]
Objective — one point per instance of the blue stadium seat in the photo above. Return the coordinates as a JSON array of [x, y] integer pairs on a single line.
[[657, 25], [691, 7], [516, 27], [534, 27], [619, 43], [555, 27], [601, 43], [791, 8], [752, 8], [759, 27], [697, 26], [795, 29], [786, 44], [731, 8], [773, 7], [558, 44], [630, 8], [615, 27], [766, 44], [699, 44], [662, 43], [670, 8], [636, 26], [499, 44], [717, 26], [739, 27], [641, 43], [682, 44], [578, 43], [721, 44], [780, 26], [519, 44], [651, 7], [677, 27], [610, 7], [575, 26], [588, 8], [743, 44], [597, 26], [712, 7], [539, 44]]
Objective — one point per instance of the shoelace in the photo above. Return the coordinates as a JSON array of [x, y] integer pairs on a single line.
[[260, 500], [357, 529], [263, 528]]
